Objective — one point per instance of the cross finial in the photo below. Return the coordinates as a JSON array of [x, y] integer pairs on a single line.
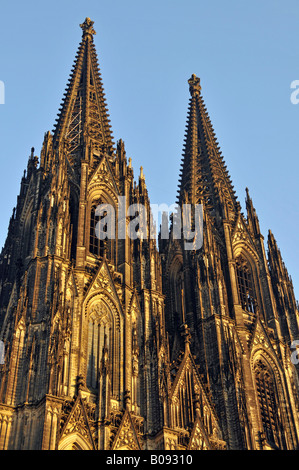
[[194, 85], [87, 27]]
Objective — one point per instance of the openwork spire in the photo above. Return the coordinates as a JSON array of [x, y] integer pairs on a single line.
[[204, 178], [83, 117]]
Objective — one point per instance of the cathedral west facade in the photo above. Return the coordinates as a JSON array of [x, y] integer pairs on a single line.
[[129, 342]]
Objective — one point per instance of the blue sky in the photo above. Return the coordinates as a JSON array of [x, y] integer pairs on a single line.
[[245, 53]]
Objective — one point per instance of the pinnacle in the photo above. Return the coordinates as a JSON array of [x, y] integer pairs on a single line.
[[194, 85], [87, 28], [271, 239]]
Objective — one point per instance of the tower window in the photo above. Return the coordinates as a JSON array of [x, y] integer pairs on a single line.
[[245, 283], [269, 405], [97, 342], [97, 246], [94, 242]]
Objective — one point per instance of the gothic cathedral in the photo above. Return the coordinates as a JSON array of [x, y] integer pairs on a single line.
[[130, 343]]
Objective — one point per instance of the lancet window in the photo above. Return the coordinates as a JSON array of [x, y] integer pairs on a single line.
[[99, 338], [95, 245], [104, 223], [269, 404], [246, 285], [178, 295]]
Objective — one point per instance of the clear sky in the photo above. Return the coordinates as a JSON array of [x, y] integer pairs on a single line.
[[245, 53]]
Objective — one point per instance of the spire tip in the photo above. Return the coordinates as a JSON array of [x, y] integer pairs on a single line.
[[194, 85], [87, 27]]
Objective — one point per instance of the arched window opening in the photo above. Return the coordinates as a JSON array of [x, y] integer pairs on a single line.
[[98, 349], [74, 209], [104, 374], [102, 349], [183, 407], [178, 293], [95, 245], [99, 246], [246, 287], [269, 404]]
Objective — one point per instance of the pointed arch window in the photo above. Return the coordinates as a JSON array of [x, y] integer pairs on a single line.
[[94, 242], [96, 246], [246, 285], [74, 206], [99, 246], [177, 293], [183, 415], [98, 347], [180, 295], [104, 374], [269, 404]]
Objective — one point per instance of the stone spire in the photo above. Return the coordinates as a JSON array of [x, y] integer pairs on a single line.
[[204, 178], [83, 117]]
